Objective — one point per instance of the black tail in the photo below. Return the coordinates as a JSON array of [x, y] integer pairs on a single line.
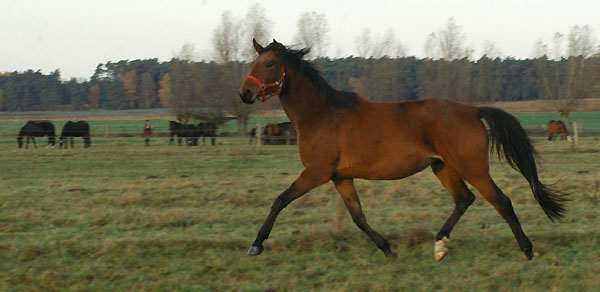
[[509, 138]]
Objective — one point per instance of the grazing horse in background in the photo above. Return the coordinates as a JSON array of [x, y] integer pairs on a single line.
[[557, 128], [279, 134], [147, 132], [208, 129], [191, 133], [37, 129], [342, 136], [176, 129], [75, 129]]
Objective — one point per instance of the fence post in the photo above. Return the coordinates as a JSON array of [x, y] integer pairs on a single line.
[[105, 131], [258, 136], [575, 134]]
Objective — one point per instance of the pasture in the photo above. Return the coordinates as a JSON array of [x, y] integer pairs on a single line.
[[123, 217]]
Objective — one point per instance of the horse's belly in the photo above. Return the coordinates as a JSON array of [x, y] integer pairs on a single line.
[[385, 168]]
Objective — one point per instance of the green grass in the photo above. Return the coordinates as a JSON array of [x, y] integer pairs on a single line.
[[123, 217]]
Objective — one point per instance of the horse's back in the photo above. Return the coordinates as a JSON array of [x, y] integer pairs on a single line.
[[76, 129], [556, 127]]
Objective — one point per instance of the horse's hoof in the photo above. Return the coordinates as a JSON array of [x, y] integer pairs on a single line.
[[534, 256], [255, 250], [440, 254], [439, 249]]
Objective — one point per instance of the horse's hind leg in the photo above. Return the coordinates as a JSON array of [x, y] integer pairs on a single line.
[[348, 193], [463, 198], [503, 205], [34, 144]]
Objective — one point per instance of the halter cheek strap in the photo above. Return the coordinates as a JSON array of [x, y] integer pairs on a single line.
[[263, 87]]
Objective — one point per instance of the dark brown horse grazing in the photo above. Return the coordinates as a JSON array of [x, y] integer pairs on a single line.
[[557, 128], [342, 136], [34, 129]]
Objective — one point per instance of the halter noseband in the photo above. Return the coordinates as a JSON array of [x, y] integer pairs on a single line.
[[263, 87]]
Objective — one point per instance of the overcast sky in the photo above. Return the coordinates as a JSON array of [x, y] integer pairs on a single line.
[[76, 35]]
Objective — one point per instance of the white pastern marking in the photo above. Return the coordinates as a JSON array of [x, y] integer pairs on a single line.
[[439, 249]]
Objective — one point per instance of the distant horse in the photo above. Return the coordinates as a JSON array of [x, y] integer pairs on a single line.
[[37, 129], [342, 136], [147, 132], [208, 129], [176, 129], [192, 133], [75, 129], [557, 128], [279, 134]]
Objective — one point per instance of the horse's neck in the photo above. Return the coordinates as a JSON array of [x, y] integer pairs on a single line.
[[304, 105]]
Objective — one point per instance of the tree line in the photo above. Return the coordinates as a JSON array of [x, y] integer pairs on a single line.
[[180, 84]]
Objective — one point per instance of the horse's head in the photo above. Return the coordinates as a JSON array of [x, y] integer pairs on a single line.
[[61, 141], [266, 76], [20, 140]]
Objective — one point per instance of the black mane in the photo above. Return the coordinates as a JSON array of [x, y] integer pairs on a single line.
[[294, 59]]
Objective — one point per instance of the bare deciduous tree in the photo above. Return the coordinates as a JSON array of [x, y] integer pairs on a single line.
[[226, 38], [491, 50], [451, 77], [581, 41], [540, 49], [451, 41], [313, 32], [564, 81], [259, 28], [363, 43], [227, 47], [384, 45]]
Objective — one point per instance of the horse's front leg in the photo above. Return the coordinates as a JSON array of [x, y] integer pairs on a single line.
[[345, 188], [307, 181]]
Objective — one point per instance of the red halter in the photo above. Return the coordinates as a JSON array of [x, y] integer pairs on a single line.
[[263, 87]]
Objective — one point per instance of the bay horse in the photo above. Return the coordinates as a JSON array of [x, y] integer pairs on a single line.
[[279, 134], [75, 129], [147, 132], [557, 128], [342, 136], [34, 129]]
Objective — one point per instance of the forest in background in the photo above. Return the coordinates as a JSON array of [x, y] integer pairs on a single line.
[[145, 84]]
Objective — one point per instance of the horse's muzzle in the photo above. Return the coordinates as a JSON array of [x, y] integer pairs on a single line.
[[248, 96]]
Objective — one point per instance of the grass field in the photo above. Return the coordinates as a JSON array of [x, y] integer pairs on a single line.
[[122, 217]]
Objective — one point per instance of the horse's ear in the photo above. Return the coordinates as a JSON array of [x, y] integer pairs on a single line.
[[275, 46], [257, 46]]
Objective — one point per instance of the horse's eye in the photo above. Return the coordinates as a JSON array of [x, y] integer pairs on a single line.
[[269, 65]]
